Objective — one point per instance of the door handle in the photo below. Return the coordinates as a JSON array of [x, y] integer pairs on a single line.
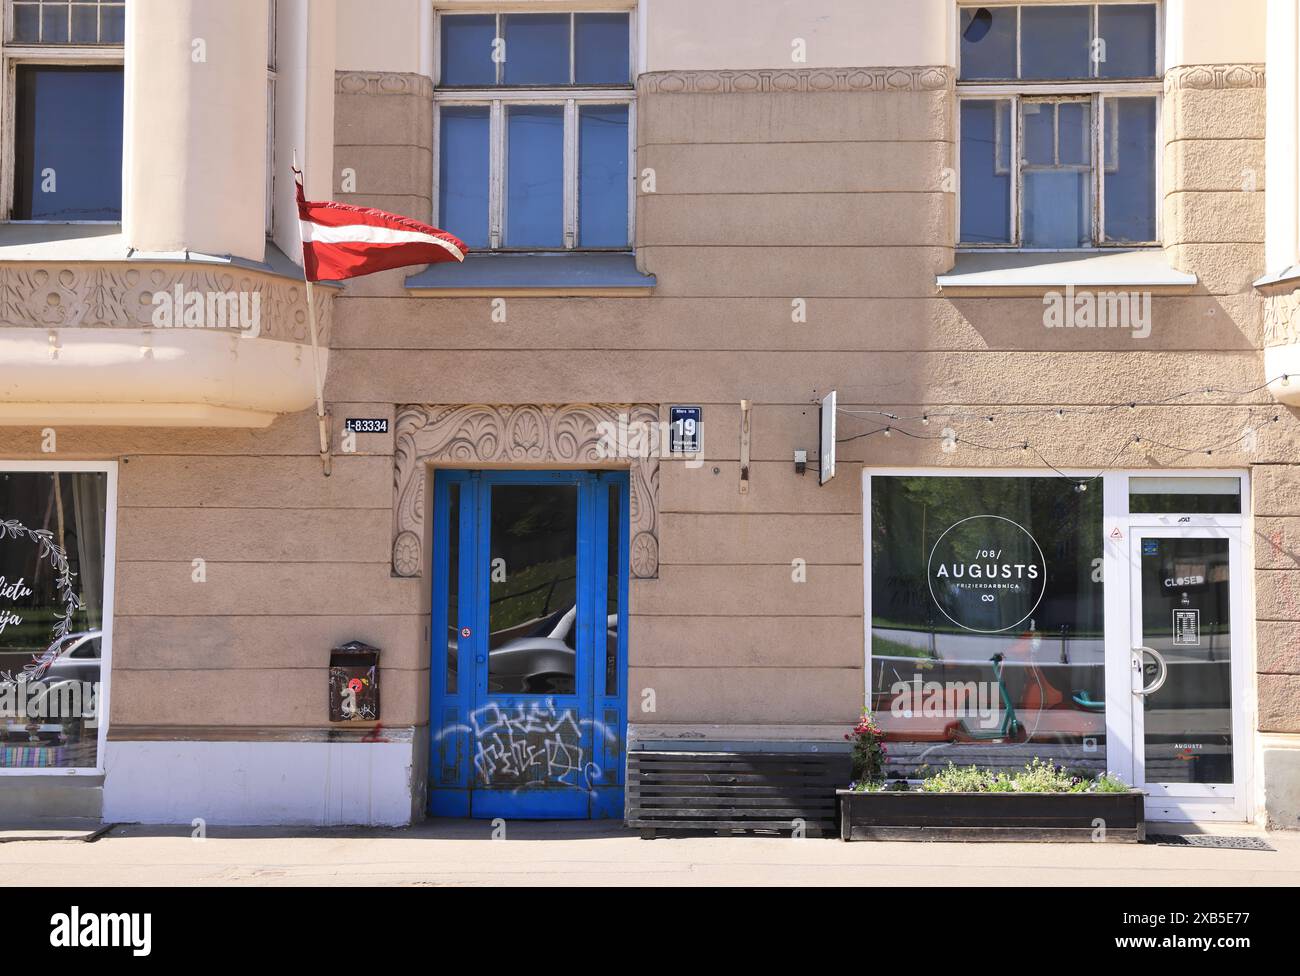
[[1161, 667]]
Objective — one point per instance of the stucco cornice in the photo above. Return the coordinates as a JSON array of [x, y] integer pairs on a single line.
[[1214, 77], [382, 83], [922, 78]]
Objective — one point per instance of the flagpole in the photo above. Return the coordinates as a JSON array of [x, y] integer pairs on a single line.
[[322, 420]]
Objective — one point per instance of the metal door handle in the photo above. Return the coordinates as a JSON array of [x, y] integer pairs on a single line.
[[1160, 665]]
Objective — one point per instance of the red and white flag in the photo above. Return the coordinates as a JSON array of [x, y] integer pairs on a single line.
[[341, 241]]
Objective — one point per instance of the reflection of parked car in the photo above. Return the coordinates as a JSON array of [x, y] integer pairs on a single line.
[[542, 662], [78, 658]]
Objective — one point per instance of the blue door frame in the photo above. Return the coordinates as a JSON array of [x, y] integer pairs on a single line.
[[549, 755]]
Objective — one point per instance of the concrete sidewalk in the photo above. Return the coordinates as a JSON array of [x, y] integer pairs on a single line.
[[583, 853]]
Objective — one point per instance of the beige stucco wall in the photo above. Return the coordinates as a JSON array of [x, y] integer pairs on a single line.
[[1214, 32], [692, 36]]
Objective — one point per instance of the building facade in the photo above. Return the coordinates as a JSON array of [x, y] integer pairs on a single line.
[[920, 355]]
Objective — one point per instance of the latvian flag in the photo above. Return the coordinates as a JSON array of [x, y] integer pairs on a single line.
[[341, 241]]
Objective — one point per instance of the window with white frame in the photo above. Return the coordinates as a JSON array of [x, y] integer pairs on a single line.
[[535, 124], [62, 101], [1059, 113]]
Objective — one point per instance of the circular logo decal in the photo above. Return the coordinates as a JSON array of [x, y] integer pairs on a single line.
[[987, 574]]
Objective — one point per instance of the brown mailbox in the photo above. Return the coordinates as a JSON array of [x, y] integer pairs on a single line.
[[354, 683]]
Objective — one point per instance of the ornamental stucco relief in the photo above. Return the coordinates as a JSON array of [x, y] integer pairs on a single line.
[[103, 295], [528, 434]]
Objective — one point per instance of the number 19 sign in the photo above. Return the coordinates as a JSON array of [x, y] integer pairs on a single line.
[[684, 430]]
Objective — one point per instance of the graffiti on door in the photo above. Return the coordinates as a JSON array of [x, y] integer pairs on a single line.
[[532, 745]]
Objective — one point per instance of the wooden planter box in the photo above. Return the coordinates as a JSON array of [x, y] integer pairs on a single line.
[[992, 816]]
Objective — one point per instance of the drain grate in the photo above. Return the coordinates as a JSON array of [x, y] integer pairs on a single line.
[[1210, 840]]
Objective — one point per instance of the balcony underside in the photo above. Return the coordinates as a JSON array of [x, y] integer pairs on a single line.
[[150, 377]]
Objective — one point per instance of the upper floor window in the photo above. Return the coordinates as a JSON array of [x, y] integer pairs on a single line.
[[535, 124], [64, 61], [1059, 111]]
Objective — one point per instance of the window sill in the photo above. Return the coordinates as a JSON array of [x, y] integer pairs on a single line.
[[590, 273], [1033, 272]]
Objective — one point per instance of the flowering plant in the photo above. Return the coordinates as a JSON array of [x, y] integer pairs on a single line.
[[869, 753]]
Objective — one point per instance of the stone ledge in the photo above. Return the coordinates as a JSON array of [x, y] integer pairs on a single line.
[[921, 78]]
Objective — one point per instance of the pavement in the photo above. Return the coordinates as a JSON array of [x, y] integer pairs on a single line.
[[465, 852]]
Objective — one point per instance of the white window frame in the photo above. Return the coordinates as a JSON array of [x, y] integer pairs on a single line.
[[271, 76], [1117, 593], [1098, 91], [102, 711], [571, 98], [11, 56]]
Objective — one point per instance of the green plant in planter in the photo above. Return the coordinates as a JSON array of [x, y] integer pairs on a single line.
[[1109, 783], [1037, 777], [960, 779], [868, 754]]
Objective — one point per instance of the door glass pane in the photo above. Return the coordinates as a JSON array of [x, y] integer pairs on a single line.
[[988, 43], [987, 639], [1186, 620], [1128, 32], [51, 617], [1054, 42], [68, 135], [1200, 496], [463, 170], [602, 176], [537, 49], [612, 574], [467, 48], [532, 593], [1130, 175], [985, 171], [453, 586], [535, 176], [602, 51]]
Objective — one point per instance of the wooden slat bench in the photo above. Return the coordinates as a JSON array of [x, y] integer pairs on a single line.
[[776, 792]]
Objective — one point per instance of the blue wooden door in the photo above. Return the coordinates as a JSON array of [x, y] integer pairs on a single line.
[[528, 658]]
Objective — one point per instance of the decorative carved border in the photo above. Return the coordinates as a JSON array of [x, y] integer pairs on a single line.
[[531, 434], [1214, 77], [1282, 318], [925, 78], [382, 83], [118, 295]]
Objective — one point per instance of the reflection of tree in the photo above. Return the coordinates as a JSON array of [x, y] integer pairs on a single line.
[[534, 592]]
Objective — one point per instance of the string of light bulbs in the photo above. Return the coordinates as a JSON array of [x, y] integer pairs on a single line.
[[1061, 412], [955, 438]]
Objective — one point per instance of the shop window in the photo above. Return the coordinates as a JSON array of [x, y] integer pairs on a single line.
[[987, 642], [1059, 109], [534, 130], [52, 563]]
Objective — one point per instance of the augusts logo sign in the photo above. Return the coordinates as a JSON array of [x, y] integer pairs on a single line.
[[986, 574]]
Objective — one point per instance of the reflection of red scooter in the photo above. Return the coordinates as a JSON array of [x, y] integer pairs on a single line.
[[1043, 713]]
